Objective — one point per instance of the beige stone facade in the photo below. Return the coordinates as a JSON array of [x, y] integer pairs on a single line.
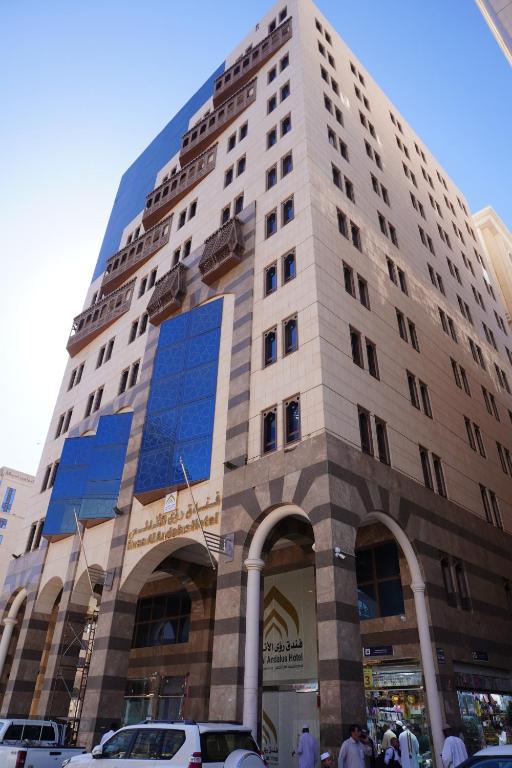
[[362, 400]]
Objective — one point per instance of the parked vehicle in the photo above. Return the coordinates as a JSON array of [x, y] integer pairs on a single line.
[[33, 744], [490, 757], [180, 743]]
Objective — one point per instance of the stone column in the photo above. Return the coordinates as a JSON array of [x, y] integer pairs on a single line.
[[429, 671], [340, 668], [106, 682], [19, 691], [226, 687], [252, 644], [63, 659]]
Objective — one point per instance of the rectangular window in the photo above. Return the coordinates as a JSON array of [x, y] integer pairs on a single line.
[[425, 399], [356, 347], [348, 279], [413, 335], [382, 441], [371, 356], [413, 390], [402, 329], [365, 431], [228, 176], [379, 586], [356, 236], [285, 91], [426, 469], [240, 166], [364, 296], [286, 125], [342, 223], [271, 138]]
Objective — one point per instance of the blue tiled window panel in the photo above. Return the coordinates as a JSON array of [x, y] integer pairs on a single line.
[[181, 405], [140, 177], [89, 476]]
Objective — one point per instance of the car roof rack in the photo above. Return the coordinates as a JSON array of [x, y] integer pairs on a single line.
[[149, 720]]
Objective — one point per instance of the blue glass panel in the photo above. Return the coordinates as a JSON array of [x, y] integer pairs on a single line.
[[139, 179], [159, 430], [205, 349], [171, 333], [196, 419], [200, 382], [181, 405], [165, 393], [89, 476], [170, 363], [8, 499]]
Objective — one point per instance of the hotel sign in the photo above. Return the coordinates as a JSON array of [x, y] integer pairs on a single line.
[[172, 523]]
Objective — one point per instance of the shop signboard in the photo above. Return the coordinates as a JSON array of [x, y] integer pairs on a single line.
[[289, 627], [378, 650]]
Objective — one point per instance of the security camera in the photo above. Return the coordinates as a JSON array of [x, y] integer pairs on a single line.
[[339, 553]]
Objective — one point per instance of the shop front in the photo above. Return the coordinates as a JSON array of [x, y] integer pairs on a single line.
[[485, 704], [290, 664], [394, 694]]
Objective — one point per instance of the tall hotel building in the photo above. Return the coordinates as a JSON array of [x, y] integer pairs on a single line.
[[291, 308]]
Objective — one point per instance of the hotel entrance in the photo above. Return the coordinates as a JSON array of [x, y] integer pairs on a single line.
[[290, 664]]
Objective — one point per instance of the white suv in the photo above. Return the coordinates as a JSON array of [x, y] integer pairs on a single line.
[[178, 743]]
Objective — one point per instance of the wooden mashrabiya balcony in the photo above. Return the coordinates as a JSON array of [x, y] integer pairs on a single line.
[[222, 251], [162, 199], [94, 320], [126, 261], [245, 68], [211, 125], [167, 295]]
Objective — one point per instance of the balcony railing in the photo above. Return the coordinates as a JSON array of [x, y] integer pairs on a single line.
[[97, 318], [167, 295], [206, 130], [125, 262], [222, 251], [162, 199], [247, 65]]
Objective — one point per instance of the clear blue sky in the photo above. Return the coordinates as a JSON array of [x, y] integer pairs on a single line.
[[85, 87]]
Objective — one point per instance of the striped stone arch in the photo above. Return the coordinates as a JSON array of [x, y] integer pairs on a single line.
[[48, 594], [92, 577], [142, 570]]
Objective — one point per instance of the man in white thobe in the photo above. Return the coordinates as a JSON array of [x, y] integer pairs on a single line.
[[307, 749], [454, 750], [409, 748]]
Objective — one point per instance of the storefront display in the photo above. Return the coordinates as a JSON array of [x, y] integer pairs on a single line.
[[485, 704], [394, 693]]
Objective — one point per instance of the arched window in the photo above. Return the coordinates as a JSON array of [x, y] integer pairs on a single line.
[[269, 430], [292, 420], [162, 620]]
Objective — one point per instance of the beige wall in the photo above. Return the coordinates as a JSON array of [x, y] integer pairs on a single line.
[[321, 371]]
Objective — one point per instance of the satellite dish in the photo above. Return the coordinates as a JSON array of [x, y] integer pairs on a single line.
[[243, 758]]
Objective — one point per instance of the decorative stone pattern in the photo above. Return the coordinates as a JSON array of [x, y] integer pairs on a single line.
[[247, 65], [96, 319], [126, 261], [163, 199], [214, 123], [168, 294], [223, 250]]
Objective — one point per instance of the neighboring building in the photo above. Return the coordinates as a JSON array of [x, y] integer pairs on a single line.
[[497, 241], [290, 298], [498, 15], [16, 488]]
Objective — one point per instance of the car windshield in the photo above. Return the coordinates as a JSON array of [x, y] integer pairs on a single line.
[[217, 745], [493, 761]]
